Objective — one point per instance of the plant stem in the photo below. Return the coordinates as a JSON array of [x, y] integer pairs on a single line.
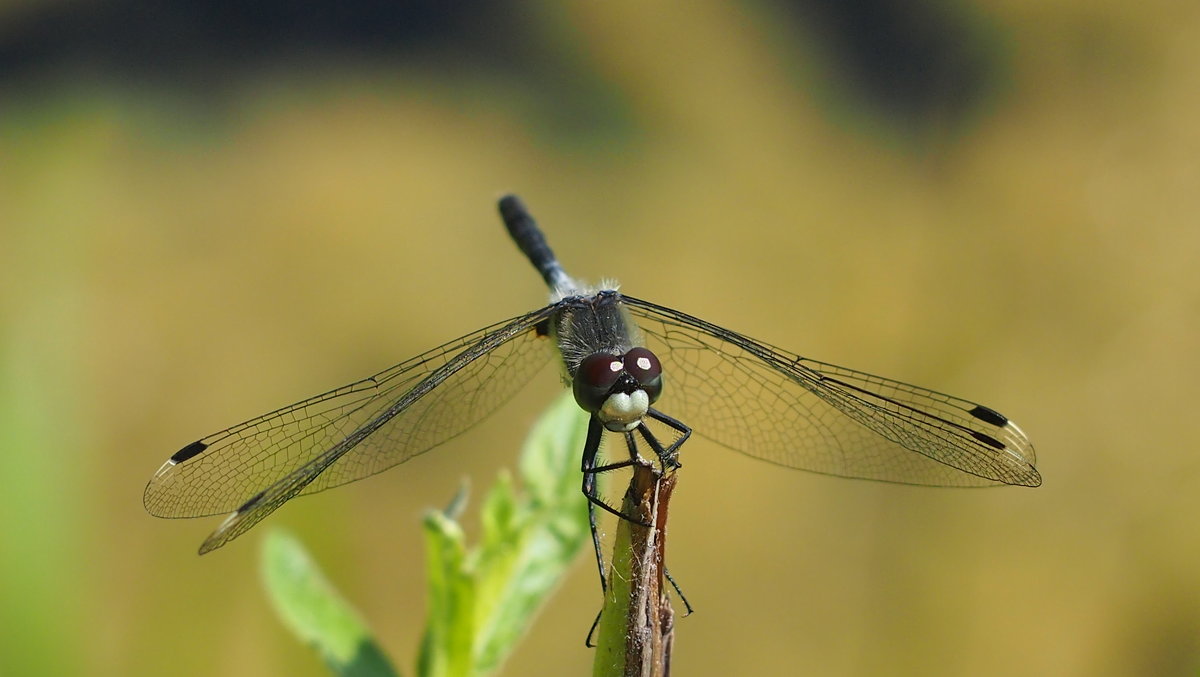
[[637, 627]]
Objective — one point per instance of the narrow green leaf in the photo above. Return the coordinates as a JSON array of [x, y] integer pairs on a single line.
[[314, 611], [482, 602], [501, 515], [553, 528], [550, 457], [449, 628]]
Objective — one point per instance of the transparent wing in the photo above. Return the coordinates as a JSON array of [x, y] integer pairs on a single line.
[[351, 432], [777, 406]]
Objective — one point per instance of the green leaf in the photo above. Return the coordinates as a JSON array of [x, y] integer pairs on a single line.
[[314, 611], [446, 646], [482, 601], [553, 528]]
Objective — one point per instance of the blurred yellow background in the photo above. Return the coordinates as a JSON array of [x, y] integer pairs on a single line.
[[994, 199]]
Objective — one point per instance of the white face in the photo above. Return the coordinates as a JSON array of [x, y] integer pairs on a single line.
[[622, 412]]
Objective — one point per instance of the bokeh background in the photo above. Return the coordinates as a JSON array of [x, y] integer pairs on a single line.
[[208, 210]]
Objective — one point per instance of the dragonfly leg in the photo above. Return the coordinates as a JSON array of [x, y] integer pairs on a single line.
[[686, 605], [670, 459], [685, 432], [590, 491], [669, 456], [591, 470], [590, 448]]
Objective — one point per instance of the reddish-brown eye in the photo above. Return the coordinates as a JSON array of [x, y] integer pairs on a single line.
[[644, 366], [594, 378]]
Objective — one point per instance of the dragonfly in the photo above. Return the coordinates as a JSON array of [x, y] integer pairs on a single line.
[[629, 363]]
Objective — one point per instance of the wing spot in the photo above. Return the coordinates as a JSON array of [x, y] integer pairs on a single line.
[[988, 440], [988, 415], [250, 503], [190, 451]]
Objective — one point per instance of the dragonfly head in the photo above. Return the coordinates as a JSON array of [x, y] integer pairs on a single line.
[[618, 389]]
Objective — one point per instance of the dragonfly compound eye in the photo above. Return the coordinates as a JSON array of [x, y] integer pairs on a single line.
[[594, 380], [644, 366]]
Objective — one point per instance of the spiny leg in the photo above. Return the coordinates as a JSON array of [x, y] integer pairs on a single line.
[[590, 488], [590, 473], [590, 447], [666, 461], [686, 605], [669, 458], [669, 455]]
